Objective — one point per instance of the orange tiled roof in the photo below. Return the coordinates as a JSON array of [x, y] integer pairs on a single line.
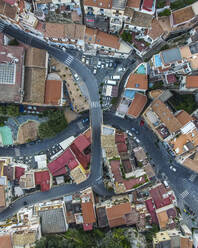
[[166, 116], [183, 117], [183, 15], [102, 4], [5, 241], [133, 3], [185, 242], [2, 196], [53, 92], [54, 30], [156, 29], [137, 81], [107, 40], [163, 219], [137, 105], [116, 213], [88, 212], [90, 35], [185, 52], [192, 81]]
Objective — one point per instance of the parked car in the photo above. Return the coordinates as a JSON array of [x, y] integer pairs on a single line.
[[129, 133], [94, 71], [76, 76], [85, 120], [173, 168], [83, 59], [102, 66], [87, 62]]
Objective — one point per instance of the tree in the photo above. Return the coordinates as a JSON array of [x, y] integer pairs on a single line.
[[166, 12]]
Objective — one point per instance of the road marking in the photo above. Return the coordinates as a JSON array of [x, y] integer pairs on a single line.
[[69, 60], [95, 104], [17, 152], [2, 26], [184, 194], [192, 177]]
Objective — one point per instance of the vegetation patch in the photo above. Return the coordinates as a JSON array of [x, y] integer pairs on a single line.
[[126, 36], [161, 4], [178, 4], [55, 124], [185, 102], [166, 12], [9, 110]]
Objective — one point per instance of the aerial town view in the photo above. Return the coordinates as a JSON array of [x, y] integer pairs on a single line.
[[98, 123]]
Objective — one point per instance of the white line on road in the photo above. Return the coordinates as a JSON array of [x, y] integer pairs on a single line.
[[68, 60], [95, 104], [184, 194], [192, 177]]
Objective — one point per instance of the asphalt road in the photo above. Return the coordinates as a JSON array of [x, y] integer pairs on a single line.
[[181, 180]]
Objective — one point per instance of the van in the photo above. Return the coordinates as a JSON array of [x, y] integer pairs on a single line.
[[115, 77], [166, 184], [111, 82]]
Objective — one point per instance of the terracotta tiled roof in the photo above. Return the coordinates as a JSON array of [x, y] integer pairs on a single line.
[[183, 117], [137, 105], [185, 52], [88, 212], [90, 35], [102, 4], [53, 90], [192, 81], [5, 241], [2, 196], [137, 81], [166, 116], [54, 30], [162, 219], [156, 29], [182, 15], [134, 4], [116, 213], [185, 242], [7, 10], [35, 57], [107, 40]]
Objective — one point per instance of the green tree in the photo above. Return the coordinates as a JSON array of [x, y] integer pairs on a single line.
[[166, 12]]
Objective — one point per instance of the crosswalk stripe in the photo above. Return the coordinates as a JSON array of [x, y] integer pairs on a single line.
[[192, 177], [184, 194], [69, 60], [95, 104]]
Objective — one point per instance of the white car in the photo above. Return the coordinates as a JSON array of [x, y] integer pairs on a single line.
[[99, 62], [102, 66], [94, 71], [173, 168], [83, 59], [76, 76], [107, 65], [129, 133], [137, 140], [87, 62]]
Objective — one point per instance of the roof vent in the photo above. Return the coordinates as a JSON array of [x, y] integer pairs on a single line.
[[137, 85]]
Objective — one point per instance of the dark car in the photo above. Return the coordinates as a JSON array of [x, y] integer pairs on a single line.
[[24, 203]]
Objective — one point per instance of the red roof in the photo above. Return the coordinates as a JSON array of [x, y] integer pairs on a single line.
[[60, 172], [157, 194], [10, 2], [81, 142], [171, 78], [115, 168], [42, 178], [122, 147], [82, 158], [129, 184], [147, 5], [72, 164], [119, 138], [150, 207], [87, 227], [61, 161], [19, 171]]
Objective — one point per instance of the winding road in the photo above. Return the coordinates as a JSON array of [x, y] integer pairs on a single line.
[[181, 181]]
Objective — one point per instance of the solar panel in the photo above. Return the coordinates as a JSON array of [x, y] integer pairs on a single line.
[[7, 73]]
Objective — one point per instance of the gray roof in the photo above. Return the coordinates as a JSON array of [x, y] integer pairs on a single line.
[[171, 55], [53, 221], [194, 48], [119, 4], [165, 96]]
